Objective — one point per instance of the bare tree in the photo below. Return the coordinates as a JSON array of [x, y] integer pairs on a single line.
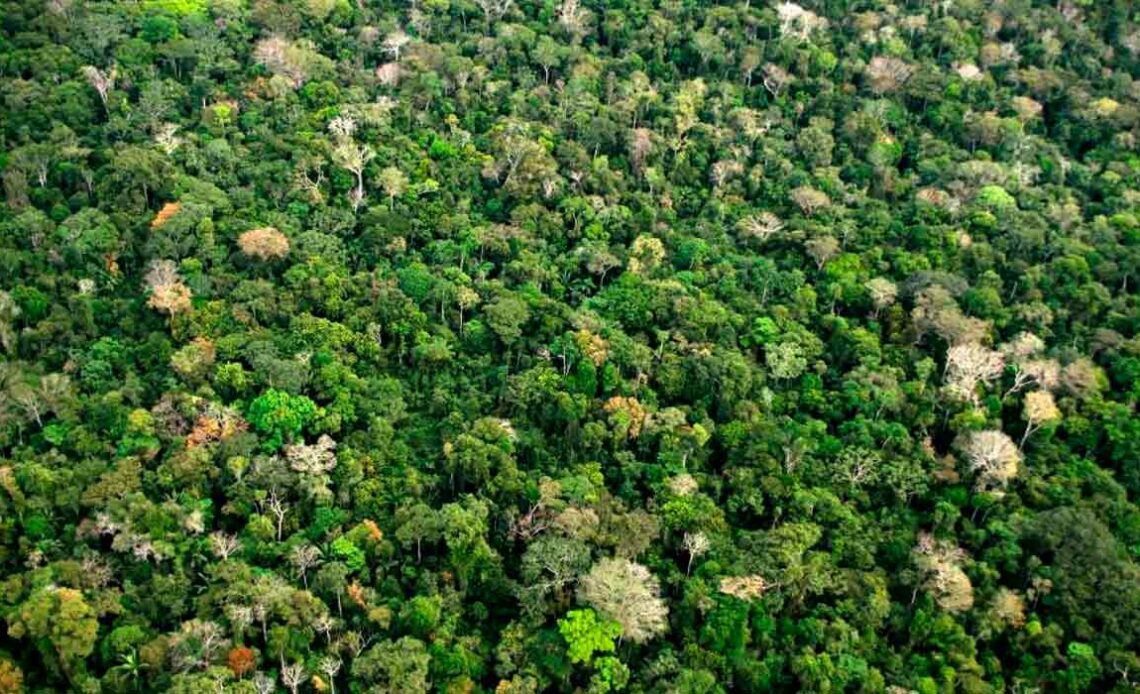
[[775, 79], [940, 563], [1030, 369], [629, 594], [395, 42], [695, 544], [353, 643], [325, 624], [330, 665], [761, 227], [343, 128], [935, 310], [745, 587], [809, 199], [992, 456], [240, 616], [168, 293], [167, 138], [822, 249], [1040, 408], [640, 146], [293, 676], [388, 74], [9, 312], [573, 18], [887, 73], [1042, 373], [970, 365], [196, 645], [797, 22], [224, 545], [263, 684], [278, 508], [285, 58], [303, 558], [883, 293], [103, 82], [317, 459], [494, 10], [353, 158]]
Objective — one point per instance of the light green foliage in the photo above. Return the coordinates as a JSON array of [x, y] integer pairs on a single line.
[[346, 551], [586, 634], [996, 197], [179, 8], [280, 416]]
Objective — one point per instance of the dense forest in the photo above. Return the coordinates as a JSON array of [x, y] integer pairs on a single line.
[[519, 346]]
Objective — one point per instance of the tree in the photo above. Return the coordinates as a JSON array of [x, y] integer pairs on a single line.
[[330, 666], [887, 74], [102, 81], [168, 293], [9, 312], [798, 22], [628, 594], [312, 460], [810, 200], [550, 565], [506, 317], [394, 183], [264, 243], [822, 249], [785, 360], [940, 563], [1084, 667], [759, 290], [296, 62], [696, 544], [573, 18], [776, 79], [970, 365], [548, 54], [293, 676], [935, 310], [415, 524], [494, 10], [744, 587], [11, 678], [349, 155], [992, 457], [395, 42], [279, 416], [1040, 409], [883, 293], [761, 227], [586, 635], [62, 621], [303, 558], [241, 661], [1029, 369], [394, 666], [224, 545]]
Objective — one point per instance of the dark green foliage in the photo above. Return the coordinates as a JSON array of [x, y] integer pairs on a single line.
[[563, 346]]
